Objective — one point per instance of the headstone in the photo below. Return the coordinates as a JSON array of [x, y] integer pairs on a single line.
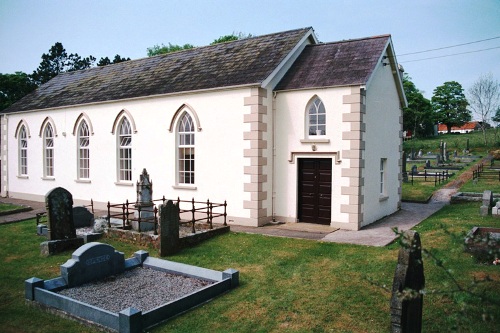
[[420, 153], [427, 163], [59, 205], [467, 148], [455, 154], [169, 224], [414, 170], [91, 262], [409, 281], [487, 198], [144, 205], [445, 152], [438, 160], [441, 148], [82, 217], [61, 229]]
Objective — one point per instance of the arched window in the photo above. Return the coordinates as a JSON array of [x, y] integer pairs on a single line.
[[23, 151], [124, 142], [316, 118], [48, 151], [185, 147], [83, 151]]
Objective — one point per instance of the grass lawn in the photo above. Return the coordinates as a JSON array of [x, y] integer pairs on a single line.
[[287, 285], [5, 207]]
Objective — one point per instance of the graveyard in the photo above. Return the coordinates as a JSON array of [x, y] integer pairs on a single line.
[[291, 285]]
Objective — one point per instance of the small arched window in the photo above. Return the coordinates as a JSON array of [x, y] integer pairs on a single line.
[[124, 143], [23, 151], [316, 118], [185, 149], [48, 151], [83, 140]]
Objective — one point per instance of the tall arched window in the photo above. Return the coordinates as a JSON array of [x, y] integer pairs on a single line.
[[23, 151], [83, 151], [185, 154], [316, 118], [48, 151], [124, 150]]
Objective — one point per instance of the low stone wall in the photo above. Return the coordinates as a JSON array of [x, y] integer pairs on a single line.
[[148, 239], [469, 197]]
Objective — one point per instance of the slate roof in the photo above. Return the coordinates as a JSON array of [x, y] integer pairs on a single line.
[[242, 62], [349, 62]]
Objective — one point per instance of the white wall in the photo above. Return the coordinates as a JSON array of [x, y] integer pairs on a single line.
[[382, 140], [290, 130], [219, 150]]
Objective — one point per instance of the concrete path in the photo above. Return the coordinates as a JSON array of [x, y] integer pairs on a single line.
[[377, 234]]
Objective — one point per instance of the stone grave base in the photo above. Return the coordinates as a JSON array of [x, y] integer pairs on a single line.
[[483, 243], [60, 245], [95, 261]]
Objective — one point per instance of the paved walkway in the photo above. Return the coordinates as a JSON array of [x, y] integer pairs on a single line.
[[377, 234]]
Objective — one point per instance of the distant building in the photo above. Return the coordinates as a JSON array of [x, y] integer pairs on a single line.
[[465, 128]]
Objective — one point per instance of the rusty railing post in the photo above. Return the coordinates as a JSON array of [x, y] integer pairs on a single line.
[[193, 230], [109, 215], [155, 232], [225, 214]]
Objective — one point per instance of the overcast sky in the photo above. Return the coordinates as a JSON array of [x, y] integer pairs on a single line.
[[28, 28]]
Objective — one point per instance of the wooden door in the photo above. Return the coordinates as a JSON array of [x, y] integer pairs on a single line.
[[315, 190]]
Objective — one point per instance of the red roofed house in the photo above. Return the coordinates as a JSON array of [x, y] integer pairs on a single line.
[[465, 128]]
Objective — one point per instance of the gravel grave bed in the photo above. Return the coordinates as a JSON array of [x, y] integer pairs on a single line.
[[141, 288]]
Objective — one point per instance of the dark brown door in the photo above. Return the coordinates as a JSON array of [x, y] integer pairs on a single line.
[[315, 190]]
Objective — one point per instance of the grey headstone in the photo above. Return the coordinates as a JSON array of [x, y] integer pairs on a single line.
[[82, 217], [169, 224], [487, 198], [438, 159], [144, 204], [59, 205], [467, 148], [414, 170], [90, 262], [484, 210], [427, 163], [420, 153], [404, 162], [409, 281]]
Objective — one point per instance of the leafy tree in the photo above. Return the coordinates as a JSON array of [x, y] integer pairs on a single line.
[[450, 105], [58, 61], [13, 87], [105, 61], [163, 49], [230, 38], [484, 100], [418, 117]]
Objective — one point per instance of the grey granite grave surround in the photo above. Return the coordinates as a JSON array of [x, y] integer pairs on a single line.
[[95, 261]]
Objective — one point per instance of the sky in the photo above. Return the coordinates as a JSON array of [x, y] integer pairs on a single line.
[[103, 28]]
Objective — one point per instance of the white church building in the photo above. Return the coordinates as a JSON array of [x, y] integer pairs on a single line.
[[281, 126]]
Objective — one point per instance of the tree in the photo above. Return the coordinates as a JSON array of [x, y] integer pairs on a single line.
[[484, 100], [418, 117], [450, 105], [105, 61], [230, 38], [58, 61], [13, 87], [163, 49]]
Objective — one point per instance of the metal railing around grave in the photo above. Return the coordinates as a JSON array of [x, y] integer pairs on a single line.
[[481, 172], [42, 217], [437, 177], [198, 211]]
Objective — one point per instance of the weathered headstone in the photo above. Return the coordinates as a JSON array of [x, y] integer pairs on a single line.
[[61, 229], [82, 217], [169, 224], [414, 170], [427, 163], [438, 159], [445, 152], [90, 262], [420, 153], [409, 281], [144, 205], [487, 202]]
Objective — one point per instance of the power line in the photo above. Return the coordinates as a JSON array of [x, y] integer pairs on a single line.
[[451, 55], [448, 47]]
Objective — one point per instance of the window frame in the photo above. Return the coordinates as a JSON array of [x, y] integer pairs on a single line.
[[83, 153], [313, 111], [23, 151], [383, 178], [48, 151], [124, 152], [186, 155]]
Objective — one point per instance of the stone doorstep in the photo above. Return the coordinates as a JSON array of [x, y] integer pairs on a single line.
[[128, 320]]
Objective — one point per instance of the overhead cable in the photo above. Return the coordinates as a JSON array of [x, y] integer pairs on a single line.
[[448, 47]]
